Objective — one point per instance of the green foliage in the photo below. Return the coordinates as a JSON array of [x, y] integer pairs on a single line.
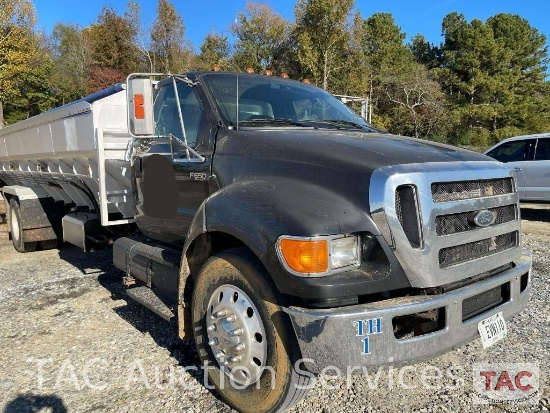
[[72, 57], [17, 44], [35, 94], [400, 90], [215, 50], [322, 36], [424, 52], [171, 52], [494, 74], [474, 137], [113, 42], [505, 132], [419, 100], [261, 37], [24, 64]]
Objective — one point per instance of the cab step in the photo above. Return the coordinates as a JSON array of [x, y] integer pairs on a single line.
[[161, 306]]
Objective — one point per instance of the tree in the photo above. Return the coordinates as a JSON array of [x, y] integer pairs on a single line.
[[494, 73], [143, 36], [35, 93], [261, 37], [172, 52], [72, 57], [421, 99], [103, 77], [424, 52], [525, 74], [215, 50], [322, 35], [384, 58], [113, 43], [17, 47]]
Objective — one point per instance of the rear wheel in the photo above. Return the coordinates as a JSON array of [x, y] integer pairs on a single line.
[[243, 336], [49, 244], [16, 228]]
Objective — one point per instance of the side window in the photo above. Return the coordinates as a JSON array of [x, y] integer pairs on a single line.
[[166, 112], [543, 150], [514, 151]]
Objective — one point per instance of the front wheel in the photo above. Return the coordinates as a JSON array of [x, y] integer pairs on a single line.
[[243, 337]]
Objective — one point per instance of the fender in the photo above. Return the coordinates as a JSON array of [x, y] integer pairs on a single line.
[[258, 212], [40, 218]]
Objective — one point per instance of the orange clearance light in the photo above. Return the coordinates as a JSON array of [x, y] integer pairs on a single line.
[[305, 256], [284, 75], [139, 109], [268, 73], [306, 80], [249, 70], [216, 68]]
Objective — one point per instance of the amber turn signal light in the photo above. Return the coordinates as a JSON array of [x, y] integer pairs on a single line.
[[305, 256], [139, 108]]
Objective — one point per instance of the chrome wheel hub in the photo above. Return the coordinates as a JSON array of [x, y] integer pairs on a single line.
[[236, 334]]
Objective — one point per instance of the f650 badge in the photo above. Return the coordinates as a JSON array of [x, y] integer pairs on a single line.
[[198, 176]]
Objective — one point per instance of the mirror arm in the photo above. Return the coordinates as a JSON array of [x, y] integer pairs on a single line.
[[180, 114], [186, 147]]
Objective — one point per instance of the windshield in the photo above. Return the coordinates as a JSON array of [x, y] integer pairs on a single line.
[[278, 102]]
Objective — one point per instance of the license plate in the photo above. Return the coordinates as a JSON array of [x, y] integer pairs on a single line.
[[492, 329]]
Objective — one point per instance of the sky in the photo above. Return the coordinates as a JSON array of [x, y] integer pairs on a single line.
[[202, 17]]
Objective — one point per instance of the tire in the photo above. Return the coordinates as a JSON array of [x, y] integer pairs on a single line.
[[48, 244], [265, 331], [16, 228]]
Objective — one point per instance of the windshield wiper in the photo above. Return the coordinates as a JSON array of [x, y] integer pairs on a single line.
[[275, 121], [341, 123]]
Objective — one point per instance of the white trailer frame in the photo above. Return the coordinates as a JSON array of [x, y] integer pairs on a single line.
[[78, 153]]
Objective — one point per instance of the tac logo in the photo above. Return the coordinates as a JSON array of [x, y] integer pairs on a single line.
[[516, 383]]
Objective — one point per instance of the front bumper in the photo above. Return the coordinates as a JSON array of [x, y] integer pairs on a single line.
[[344, 337]]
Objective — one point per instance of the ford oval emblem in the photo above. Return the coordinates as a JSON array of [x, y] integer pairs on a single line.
[[484, 218]]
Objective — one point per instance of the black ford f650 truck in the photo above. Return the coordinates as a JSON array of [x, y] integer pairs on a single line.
[[275, 226]]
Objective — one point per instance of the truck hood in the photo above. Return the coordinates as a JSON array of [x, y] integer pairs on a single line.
[[335, 148], [337, 161], [308, 182]]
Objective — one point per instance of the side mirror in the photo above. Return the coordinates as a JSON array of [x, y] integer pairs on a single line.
[[139, 95]]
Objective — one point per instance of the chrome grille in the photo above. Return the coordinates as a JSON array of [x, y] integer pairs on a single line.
[[398, 210], [456, 191], [477, 249], [406, 209], [462, 222]]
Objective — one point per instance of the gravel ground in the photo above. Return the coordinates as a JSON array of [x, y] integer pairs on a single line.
[[73, 342]]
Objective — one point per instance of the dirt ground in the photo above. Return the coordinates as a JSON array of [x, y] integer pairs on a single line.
[[536, 220]]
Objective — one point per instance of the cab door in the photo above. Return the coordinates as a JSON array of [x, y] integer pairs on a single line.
[[172, 185], [516, 153], [537, 172]]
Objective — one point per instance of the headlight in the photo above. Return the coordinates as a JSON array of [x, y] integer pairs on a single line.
[[345, 252], [318, 256]]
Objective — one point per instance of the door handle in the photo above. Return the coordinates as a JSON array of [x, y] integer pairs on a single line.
[[518, 169]]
